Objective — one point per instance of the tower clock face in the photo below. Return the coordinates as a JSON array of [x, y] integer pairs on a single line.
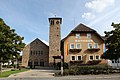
[[57, 22]]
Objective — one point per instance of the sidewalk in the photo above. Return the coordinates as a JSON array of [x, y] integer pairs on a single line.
[[34, 73], [6, 69]]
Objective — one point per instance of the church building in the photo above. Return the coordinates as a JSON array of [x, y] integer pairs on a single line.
[[35, 54]]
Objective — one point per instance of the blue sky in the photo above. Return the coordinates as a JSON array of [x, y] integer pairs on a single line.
[[30, 17]]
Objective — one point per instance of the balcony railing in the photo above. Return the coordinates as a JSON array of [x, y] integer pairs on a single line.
[[76, 62], [75, 50], [94, 62], [93, 49]]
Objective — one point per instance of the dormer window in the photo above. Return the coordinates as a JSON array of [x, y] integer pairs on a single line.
[[77, 35], [77, 46], [88, 35], [96, 45], [72, 46], [89, 45]]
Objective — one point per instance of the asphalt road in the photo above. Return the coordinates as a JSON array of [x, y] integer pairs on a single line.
[[43, 74], [66, 78]]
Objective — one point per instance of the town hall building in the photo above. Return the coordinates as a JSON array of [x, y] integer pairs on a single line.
[[82, 46]]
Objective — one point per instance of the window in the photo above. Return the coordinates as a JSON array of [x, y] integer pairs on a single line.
[[79, 57], [96, 45], [36, 62], [36, 52], [77, 35], [52, 22], [90, 57], [77, 46], [97, 57], [72, 57], [30, 52], [89, 45], [72, 46], [88, 35], [41, 52]]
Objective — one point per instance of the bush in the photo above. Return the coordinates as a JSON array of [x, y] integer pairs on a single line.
[[91, 69], [58, 66], [95, 69]]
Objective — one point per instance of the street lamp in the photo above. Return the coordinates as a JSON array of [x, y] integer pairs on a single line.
[[61, 65], [15, 61]]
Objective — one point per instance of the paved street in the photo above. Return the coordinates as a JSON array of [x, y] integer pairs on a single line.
[[45, 74]]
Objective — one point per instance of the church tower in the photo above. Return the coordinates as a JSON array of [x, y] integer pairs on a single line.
[[54, 40]]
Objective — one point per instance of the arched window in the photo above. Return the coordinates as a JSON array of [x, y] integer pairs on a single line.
[[31, 52], [36, 62], [30, 62], [41, 62]]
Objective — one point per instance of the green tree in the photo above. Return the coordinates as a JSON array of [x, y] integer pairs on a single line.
[[10, 43], [112, 43]]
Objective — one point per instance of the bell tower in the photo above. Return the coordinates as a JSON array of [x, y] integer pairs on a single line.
[[54, 40]]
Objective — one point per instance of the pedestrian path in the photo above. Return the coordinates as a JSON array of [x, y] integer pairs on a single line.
[[6, 69], [33, 73]]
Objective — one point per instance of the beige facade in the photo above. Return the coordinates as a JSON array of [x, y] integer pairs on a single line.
[[54, 40], [83, 46], [35, 54]]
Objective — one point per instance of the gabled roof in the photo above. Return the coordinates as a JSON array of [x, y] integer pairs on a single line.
[[82, 28], [38, 41]]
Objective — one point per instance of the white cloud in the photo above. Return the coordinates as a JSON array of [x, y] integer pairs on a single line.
[[99, 5], [109, 14], [88, 16]]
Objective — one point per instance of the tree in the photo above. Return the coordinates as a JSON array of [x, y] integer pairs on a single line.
[[10, 43], [112, 43]]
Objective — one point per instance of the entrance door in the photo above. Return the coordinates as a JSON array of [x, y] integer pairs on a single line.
[[41, 62], [36, 62], [30, 63]]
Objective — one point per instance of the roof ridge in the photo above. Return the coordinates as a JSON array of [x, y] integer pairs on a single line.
[[38, 40], [82, 27]]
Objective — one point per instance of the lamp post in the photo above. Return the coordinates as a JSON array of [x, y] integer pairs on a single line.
[[61, 65], [15, 61]]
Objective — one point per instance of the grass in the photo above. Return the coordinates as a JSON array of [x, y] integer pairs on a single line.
[[8, 73]]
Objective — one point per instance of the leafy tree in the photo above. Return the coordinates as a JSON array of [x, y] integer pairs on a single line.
[[10, 43], [112, 43]]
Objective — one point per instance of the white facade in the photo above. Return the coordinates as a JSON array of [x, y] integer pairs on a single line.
[[114, 63]]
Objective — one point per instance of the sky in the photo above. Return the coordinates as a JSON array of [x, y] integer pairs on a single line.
[[30, 17]]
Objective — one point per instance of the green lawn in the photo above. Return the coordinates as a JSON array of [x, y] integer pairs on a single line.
[[7, 73]]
